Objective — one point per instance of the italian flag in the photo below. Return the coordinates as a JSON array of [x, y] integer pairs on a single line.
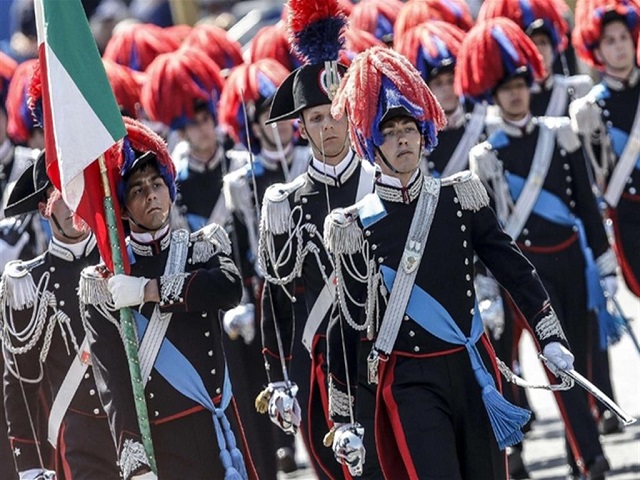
[[80, 115]]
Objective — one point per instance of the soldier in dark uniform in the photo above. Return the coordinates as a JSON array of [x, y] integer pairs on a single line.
[[44, 347], [178, 283], [537, 177], [432, 48], [436, 398], [544, 23], [607, 117], [182, 91], [291, 252], [274, 159]]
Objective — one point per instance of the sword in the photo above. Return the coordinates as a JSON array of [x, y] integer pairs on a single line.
[[595, 391]]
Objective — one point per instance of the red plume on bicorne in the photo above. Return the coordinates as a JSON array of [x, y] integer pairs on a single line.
[[378, 74], [20, 121], [180, 32], [272, 41], [216, 43], [126, 85], [588, 28], [415, 12], [175, 82], [490, 52], [346, 7], [423, 39], [376, 16], [252, 82], [137, 45], [7, 67], [357, 41], [525, 12]]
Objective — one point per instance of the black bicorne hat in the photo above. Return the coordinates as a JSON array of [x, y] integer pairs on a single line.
[[30, 189]]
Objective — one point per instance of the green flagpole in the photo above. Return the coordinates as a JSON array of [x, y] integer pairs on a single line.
[[126, 320]]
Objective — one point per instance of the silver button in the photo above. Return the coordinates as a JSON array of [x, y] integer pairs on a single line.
[[374, 247], [367, 233], [213, 371], [472, 311], [469, 293], [217, 390], [463, 228], [56, 285], [62, 303], [468, 277], [632, 191], [572, 204], [406, 318], [563, 152], [455, 200], [527, 243], [210, 353], [304, 200], [380, 259], [412, 333], [464, 243], [156, 413], [207, 333], [574, 228], [96, 411], [307, 217], [566, 166], [466, 261], [416, 348], [525, 231], [92, 392], [605, 113], [204, 314], [52, 269], [151, 395], [86, 376], [459, 213], [568, 178], [569, 191]]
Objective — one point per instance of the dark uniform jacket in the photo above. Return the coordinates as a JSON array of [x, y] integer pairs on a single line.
[[210, 282], [51, 281], [562, 89], [292, 226], [463, 226]]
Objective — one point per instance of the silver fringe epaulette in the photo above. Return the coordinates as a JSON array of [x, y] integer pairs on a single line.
[[209, 241], [276, 211], [469, 190], [93, 287], [565, 136], [342, 234], [17, 287]]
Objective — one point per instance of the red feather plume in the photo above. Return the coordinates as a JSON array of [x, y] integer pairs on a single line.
[[175, 81], [549, 10], [126, 85], [242, 82], [272, 42], [216, 43], [301, 13], [357, 41], [423, 36], [19, 128], [588, 25], [364, 15], [480, 68], [415, 12], [137, 45], [7, 66], [364, 80]]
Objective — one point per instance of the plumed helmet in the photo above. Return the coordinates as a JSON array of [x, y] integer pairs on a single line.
[[391, 85], [376, 17], [216, 43], [179, 84], [20, 120], [126, 85], [492, 53], [415, 12], [272, 41]]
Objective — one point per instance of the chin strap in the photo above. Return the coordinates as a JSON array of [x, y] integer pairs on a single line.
[[394, 169], [324, 154], [62, 232], [145, 228]]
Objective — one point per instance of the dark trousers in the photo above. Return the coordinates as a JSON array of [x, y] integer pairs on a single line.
[[437, 419], [188, 448], [562, 274], [85, 449], [7, 465], [627, 236]]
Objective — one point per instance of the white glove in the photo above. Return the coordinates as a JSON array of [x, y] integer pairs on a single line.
[[127, 291], [284, 409], [348, 447], [490, 304], [558, 357], [37, 474], [585, 116], [145, 476], [9, 252], [609, 285], [240, 321]]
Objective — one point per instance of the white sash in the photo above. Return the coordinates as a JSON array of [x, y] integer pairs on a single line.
[[409, 265], [558, 101], [625, 165], [159, 322], [533, 185], [67, 391], [473, 129]]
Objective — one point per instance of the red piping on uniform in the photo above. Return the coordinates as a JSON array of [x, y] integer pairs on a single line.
[[184, 413], [246, 454], [550, 249], [61, 458]]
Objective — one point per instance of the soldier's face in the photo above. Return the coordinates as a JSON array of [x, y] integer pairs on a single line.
[[267, 133], [148, 201], [513, 99], [401, 147], [545, 47], [65, 225], [328, 137], [201, 135], [442, 87], [616, 50]]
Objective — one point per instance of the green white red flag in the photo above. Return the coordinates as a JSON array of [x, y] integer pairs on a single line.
[[80, 115]]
